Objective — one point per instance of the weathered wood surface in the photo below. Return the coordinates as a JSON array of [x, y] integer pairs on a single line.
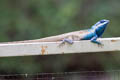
[[49, 48]]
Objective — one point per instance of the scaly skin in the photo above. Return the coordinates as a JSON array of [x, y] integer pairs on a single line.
[[92, 34]]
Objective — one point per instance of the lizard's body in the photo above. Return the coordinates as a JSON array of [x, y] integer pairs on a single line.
[[76, 36], [91, 34]]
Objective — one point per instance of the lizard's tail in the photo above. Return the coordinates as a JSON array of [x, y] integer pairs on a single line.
[[46, 39]]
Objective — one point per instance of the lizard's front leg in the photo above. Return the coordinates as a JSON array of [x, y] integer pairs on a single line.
[[94, 40]]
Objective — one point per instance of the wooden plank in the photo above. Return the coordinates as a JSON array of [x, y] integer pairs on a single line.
[[49, 48]]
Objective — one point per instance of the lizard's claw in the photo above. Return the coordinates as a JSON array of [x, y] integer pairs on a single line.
[[100, 45]]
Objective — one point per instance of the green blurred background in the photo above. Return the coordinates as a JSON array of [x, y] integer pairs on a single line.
[[34, 19]]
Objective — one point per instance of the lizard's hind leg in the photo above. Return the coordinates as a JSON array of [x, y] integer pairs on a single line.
[[67, 40]]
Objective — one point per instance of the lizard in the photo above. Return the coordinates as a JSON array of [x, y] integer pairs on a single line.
[[91, 34]]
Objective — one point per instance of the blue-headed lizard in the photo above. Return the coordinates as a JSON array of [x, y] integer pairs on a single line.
[[91, 34]]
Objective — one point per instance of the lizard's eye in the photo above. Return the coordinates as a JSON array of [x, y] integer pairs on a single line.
[[102, 21]]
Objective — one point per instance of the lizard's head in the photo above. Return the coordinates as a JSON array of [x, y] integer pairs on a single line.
[[100, 26]]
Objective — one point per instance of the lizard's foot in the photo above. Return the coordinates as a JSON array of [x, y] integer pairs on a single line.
[[98, 43]]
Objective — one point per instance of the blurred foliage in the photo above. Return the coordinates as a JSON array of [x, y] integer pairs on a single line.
[[33, 19]]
